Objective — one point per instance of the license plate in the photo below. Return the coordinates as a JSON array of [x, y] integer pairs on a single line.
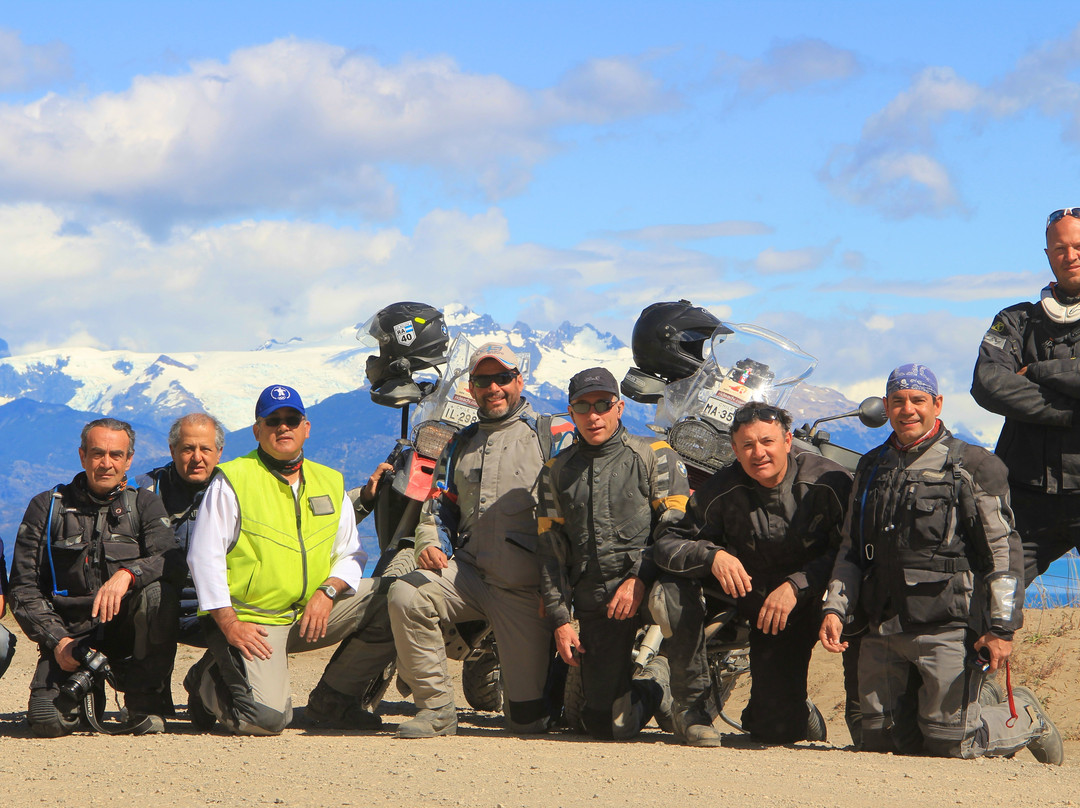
[[458, 414], [719, 410]]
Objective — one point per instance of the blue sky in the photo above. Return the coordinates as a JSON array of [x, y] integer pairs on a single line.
[[869, 179]]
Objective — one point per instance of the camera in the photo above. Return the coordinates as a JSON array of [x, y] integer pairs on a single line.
[[93, 665]]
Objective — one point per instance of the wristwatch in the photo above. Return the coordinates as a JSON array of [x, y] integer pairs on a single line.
[[329, 590]]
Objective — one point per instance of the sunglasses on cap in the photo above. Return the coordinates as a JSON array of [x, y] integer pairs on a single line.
[[1058, 215], [501, 379], [766, 413], [291, 421], [602, 406]]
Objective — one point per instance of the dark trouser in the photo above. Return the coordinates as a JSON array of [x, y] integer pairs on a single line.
[[777, 710], [140, 643], [852, 703], [920, 695], [1049, 526], [616, 705]]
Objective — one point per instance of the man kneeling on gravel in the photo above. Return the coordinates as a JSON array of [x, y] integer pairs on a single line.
[[600, 502], [278, 569], [931, 557], [761, 533]]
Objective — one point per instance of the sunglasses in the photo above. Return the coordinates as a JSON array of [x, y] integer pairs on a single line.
[[501, 379], [745, 415], [1058, 215], [602, 406], [291, 421]]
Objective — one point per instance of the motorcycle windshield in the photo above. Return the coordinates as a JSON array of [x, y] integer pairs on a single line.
[[452, 401], [746, 363]]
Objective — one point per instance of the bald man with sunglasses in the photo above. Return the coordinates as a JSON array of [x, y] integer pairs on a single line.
[[761, 533], [601, 501], [1027, 370]]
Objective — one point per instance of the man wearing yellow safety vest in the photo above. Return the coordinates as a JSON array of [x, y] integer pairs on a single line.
[[277, 565]]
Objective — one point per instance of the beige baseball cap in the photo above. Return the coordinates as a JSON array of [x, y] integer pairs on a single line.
[[497, 351]]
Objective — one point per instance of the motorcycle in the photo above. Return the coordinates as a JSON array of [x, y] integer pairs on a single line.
[[439, 408], [694, 414]]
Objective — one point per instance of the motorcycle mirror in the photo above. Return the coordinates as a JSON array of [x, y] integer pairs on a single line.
[[639, 386], [872, 412], [397, 393]]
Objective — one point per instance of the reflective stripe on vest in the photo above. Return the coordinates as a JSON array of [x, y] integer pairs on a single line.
[[283, 552]]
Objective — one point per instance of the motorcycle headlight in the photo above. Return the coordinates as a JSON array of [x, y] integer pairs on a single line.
[[431, 438], [701, 442]]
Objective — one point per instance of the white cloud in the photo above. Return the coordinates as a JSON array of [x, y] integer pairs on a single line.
[[774, 262], [894, 165], [791, 66], [24, 67], [935, 93], [856, 351], [694, 232], [237, 285], [879, 322], [297, 126], [601, 90], [986, 286]]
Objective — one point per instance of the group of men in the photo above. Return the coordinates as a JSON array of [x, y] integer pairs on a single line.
[[914, 568]]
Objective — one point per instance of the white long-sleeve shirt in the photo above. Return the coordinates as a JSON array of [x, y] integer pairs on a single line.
[[218, 527]]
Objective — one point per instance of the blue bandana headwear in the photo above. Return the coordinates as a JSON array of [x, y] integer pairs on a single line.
[[912, 376]]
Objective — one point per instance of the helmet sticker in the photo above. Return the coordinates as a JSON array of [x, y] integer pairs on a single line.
[[404, 332]]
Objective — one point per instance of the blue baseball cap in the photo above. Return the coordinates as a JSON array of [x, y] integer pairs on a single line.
[[277, 396]]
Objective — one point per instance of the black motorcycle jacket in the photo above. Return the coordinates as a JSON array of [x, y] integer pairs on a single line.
[[929, 540], [181, 499], [788, 533], [89, 540], [599, 508], [1040, 441]]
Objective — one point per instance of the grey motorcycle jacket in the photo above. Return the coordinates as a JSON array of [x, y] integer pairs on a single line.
[[1040, 441], [788, 533], [58, 568], [484, 500], [929, 541], [599, 508]]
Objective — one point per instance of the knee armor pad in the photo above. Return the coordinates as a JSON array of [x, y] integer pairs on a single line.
[[658, 608], [46, 721]]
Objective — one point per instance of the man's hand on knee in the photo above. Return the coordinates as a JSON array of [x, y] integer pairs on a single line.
[[111, 595], [432, 558], [248, 638]]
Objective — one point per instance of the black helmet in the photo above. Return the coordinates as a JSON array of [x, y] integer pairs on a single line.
[[669, 339], [410, 336]]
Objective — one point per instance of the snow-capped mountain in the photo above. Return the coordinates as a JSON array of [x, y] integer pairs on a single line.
[[47, 396], [155, 388]]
